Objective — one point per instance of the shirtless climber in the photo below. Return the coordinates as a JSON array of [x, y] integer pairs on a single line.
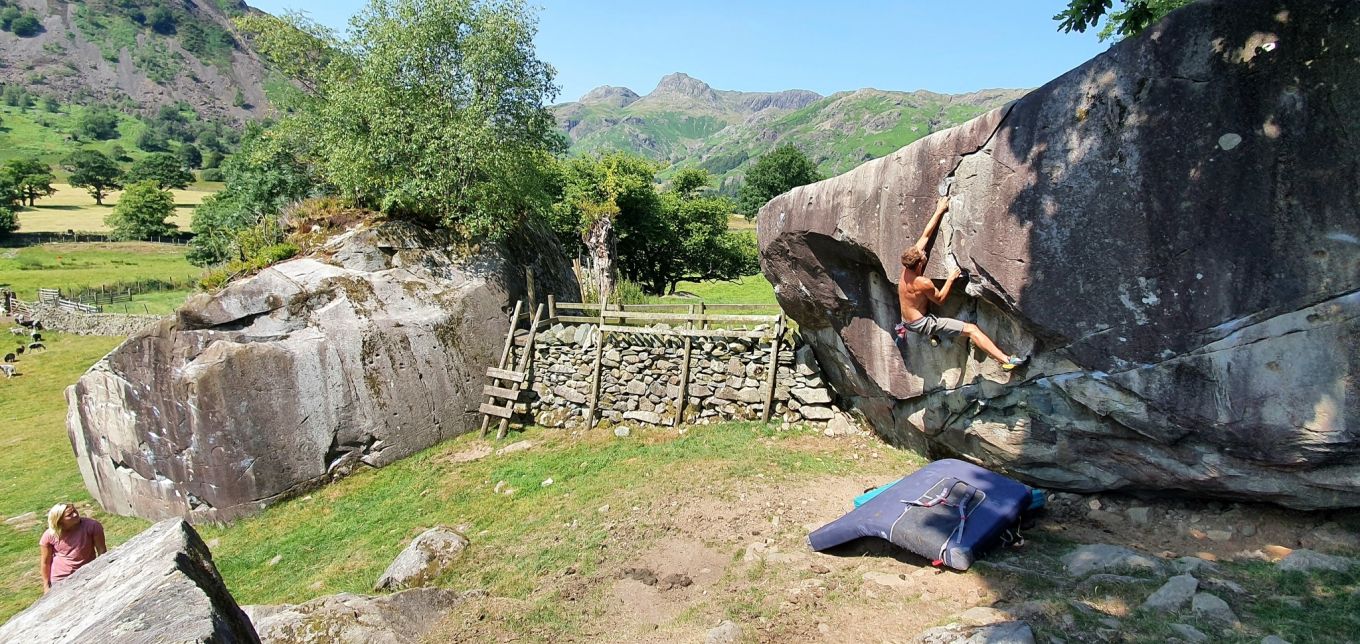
[[914, 290]]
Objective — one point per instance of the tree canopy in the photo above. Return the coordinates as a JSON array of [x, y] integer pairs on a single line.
[[431, 110], [163, 168], [141, 213], [92, 170], [31, 177], [1131, 19], [783, 169], [664, 237]]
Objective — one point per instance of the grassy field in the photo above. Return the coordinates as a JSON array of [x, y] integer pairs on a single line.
[[37, 469], [74, 266], [74, 209], [752, 289]]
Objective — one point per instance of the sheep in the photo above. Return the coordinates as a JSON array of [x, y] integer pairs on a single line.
[[9, 357], [8, 370], [37, 337], [19, 350], [17, 330], [34, 346]]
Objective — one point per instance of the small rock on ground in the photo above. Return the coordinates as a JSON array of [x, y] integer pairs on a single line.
[[1274, 639], [1003, 633], [1101, 557], [725, 633], [1305, 560], [1189, 633], [1173, 594], [1211, 608]]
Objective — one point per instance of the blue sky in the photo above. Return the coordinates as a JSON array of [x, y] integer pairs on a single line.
[[768, 46]]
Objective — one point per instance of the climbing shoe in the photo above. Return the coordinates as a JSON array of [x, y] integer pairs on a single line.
[[1014, 362]]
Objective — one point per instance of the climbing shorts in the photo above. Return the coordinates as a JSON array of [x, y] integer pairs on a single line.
[[930, 325]]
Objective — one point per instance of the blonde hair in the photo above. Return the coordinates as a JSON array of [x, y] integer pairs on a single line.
[[54, 517]]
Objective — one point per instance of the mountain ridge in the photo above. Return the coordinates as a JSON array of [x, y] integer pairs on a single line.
[[686, 121]]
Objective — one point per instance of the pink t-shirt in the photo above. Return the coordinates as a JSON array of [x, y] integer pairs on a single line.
[[72, 549]]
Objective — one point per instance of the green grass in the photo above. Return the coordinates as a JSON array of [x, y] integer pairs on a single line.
[[37, 469], [753, 289], [73, 266], [375, 512], [74, 209]]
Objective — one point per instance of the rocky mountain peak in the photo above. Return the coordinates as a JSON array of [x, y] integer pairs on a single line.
[[610, 95], [682, 84]]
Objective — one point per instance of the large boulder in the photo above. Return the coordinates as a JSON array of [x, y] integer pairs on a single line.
[[160, 586], [1172, 230], [358, 355]]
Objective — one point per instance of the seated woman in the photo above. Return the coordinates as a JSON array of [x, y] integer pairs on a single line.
[[69, 542]]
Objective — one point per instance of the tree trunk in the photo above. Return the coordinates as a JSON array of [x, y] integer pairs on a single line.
[[603, 247]]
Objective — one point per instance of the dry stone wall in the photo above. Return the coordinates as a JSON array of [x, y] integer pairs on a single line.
[[640, 379], [113, 324]]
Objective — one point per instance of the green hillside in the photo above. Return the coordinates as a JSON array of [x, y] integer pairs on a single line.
[[684, 121]]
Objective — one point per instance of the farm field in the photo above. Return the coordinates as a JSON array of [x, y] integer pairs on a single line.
[[73, 209], [73, 266]]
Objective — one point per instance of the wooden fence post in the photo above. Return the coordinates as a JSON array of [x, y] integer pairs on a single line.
[[552, 306], [595, 370], [684, 374], [774, 368], [529, 287]]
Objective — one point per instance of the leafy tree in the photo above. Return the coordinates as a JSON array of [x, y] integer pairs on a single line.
[[662, 237], [153, 140], [429, 111], [10, 196], [26, 26], [91, 170], [31, 177], [598, 195], [141, 213], [189, 156], [16, 96], [1135, 16], [7, 17], [213, 159], [161, 20], [780, 171], [118, 153], [97, 123], [51, 105], [161, 168], [262, 177]]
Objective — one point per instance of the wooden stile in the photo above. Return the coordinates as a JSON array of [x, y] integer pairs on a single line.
[[505, 357]]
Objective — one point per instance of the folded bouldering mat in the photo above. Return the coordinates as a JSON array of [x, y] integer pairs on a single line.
[[949, 512]]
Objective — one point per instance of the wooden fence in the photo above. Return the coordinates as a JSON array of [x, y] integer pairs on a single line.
[[695, 322]]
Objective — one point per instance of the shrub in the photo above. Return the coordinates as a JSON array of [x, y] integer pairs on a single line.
[[26, 26], [97, 123], [265, 257], [9, 222], [212, 174]]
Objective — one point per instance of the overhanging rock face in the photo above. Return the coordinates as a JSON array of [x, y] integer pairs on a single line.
[[1173, 229], [362, 354]]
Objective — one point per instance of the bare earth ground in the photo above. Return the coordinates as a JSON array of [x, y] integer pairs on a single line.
[[676, 567]]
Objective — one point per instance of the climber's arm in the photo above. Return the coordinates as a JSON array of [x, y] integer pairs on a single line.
[[939, 295], [940, 208]]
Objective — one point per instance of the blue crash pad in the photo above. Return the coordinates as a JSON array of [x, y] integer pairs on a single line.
[[948, 511]]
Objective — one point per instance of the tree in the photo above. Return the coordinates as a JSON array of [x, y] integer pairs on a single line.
[[118, 153], [772, 175], [189, 156], [26, 26], [7, 17], [163, 169], [161, 20], [598, 193], [262, 177], [153, 140], [32, 178], [141, 213], [1136, 16], [97, 123], [91, 170], [432, 111], [689, 241]]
